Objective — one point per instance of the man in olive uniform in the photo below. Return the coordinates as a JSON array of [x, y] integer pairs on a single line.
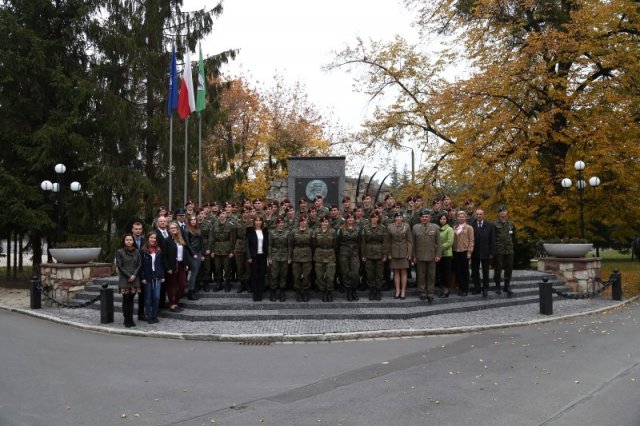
[[505, 236], [426, 252], [280, 260], [240, 254], [204, 275], [222, 240]]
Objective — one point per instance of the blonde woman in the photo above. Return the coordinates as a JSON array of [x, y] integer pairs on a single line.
[[463, 242], [175, 254]]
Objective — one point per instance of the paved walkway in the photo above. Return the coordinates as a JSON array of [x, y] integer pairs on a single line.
[[312, 330]]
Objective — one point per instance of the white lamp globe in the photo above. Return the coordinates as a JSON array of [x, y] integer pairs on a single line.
[[594, 181], [579, 165], [566, 183], [75, 186], [60, 168], [46, 185]]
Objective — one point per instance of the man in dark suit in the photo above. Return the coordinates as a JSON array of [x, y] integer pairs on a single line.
[[162, 233], [484, 250], [180, 218], [138, 240]]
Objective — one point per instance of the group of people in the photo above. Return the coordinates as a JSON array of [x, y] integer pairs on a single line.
[[274, 246]]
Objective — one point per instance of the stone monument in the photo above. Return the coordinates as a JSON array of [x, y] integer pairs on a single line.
[[311, 176]]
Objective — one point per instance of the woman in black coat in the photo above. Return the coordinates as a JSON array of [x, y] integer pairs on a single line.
[[257, 246]]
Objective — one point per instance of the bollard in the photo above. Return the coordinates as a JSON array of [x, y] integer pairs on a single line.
[[106, 305], [616, 285], [546, 297], [35, 294]]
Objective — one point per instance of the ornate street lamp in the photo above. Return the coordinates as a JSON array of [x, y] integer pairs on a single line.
[[581, 185], [58, 187]]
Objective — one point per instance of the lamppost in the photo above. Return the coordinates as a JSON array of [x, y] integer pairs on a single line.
[[581, 185], [57, 187]]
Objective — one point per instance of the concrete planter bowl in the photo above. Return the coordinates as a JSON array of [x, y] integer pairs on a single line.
[[75, 255], [567, 250]]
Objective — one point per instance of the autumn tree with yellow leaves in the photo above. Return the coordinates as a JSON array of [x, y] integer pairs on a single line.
[[539, 84]]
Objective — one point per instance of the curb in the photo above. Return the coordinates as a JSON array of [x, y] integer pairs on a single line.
[[315, 337]]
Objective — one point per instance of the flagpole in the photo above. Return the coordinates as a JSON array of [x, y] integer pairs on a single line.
[[200, 160], [170, 162], [186, 127]]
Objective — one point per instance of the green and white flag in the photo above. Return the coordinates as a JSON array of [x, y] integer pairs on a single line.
[[201, 102]]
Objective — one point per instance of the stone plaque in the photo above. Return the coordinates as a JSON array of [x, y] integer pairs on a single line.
[[310, 176]]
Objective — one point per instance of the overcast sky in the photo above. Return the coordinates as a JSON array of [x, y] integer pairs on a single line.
[[295, 38]]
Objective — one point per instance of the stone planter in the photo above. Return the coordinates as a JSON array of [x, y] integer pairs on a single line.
[[75, 255], [567, 250]]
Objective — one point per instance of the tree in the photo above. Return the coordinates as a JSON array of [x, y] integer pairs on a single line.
[[548, 83]]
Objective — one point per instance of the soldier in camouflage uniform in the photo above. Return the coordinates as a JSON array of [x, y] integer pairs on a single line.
[[505, 237], [335, 220], [240, 254], [313, 221], [349, 258], [374, 246], [301, 254], [280, 260], [222, 242], [367, 205], [324, 256]]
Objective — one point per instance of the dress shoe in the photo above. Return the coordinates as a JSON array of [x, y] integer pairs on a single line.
[[429, 300], [508, 290], [498, 290], [396, 296], [485, 293], [423, 297], [192, 295], [142, 317]]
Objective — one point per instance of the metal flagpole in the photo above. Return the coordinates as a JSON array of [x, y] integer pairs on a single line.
[[200, 160], [170, 162], [186, 127]]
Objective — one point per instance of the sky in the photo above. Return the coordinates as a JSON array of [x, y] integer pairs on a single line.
[[296, 38]]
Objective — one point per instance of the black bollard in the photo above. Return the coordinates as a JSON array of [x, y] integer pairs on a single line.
[[616, 285], [546, 297], [106, 305], [36, 295]]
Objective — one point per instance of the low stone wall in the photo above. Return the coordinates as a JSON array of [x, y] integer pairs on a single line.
[[579, 274], [65, 280]]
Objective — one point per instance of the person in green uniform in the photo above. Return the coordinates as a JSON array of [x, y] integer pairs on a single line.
[[280, 260], [443, 268], [222, 242], [301, 254], [204, 276], [505, 237], [427, 250], [324, 257], [374, 246], [349, 258], [242, 268]]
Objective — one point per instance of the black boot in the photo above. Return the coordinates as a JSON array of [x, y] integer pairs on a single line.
[[507, 288], [298, 295], [372, 294], [218, 286], [281, 295], [206, 286], [354, 293], [498, 290], [127, 310], [329, 296], [191, 295], [272, 295], [305, 296], [349, 295], [243, 287], [227, 286], [378, 294], [324, 296]]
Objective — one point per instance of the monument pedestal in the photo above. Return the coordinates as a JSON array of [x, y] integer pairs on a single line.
[[64, 279], [579, 274]]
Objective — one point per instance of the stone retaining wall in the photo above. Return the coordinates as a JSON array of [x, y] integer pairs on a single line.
[[579, 274], [65, 280]]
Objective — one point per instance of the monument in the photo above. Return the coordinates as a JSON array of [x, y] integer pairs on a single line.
[[311, 176]]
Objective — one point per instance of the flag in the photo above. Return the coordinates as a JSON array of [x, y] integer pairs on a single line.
[[201, 102], [172, 98], [186, 101]]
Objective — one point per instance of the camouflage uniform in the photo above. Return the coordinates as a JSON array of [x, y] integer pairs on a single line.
[[279, 254], [205, 270], [349, 258], [505, 236], [324, 256], [374, 245], [300, 252], [222, 242]]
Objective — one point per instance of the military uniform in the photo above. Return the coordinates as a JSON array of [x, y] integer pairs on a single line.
[[374, 246], [505, 237], [426, 248], [279, 255], [240, 254], [222, 242], [301, 254], [205, 270], [324, 256], [349, 258]]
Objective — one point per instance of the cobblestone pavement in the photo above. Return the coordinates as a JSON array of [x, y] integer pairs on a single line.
[[311, 330]]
